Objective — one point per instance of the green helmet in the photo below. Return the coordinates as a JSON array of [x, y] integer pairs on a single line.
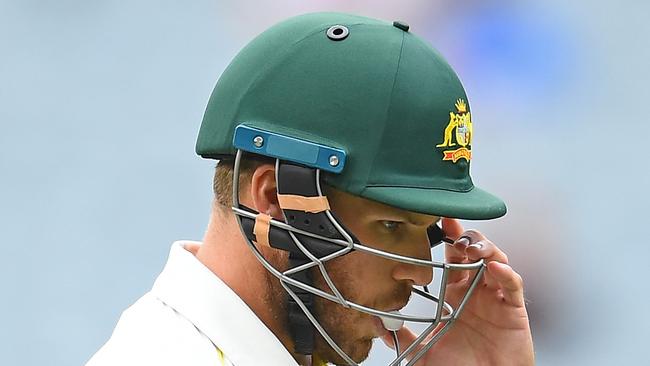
[[369, 88], [382, 115]]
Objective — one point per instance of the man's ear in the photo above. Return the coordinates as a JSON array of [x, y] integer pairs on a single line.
[[263, 191]]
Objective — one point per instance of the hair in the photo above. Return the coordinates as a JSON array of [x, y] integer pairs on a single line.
[[223, 174]]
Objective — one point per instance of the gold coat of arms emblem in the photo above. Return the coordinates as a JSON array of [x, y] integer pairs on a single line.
[[458, 133]]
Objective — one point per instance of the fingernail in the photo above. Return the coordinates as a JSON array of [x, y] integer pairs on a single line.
[[477, 246], [464, 241]]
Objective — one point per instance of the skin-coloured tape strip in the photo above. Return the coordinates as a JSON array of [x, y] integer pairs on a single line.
[[261, 229], [302, 203]]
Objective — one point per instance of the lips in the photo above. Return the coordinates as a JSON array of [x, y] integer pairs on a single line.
[[397, 307]]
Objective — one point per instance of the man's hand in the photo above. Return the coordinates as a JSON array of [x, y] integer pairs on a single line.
[[493, 328]]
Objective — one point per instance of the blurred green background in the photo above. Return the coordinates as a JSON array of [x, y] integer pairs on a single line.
[[101, 101]]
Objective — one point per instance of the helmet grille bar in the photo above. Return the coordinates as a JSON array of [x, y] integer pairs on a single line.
[[300, 290]]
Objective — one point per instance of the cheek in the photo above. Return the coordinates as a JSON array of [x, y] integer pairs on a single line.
[[361, 277], [373, 235]]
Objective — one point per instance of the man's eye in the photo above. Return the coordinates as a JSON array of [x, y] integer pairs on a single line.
[[390, 225]]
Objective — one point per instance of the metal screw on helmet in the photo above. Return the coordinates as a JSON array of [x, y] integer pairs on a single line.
[[337, 32], [334, 160], [258, 141]]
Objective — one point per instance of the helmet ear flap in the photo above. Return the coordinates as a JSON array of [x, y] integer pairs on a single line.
[[297, 180]]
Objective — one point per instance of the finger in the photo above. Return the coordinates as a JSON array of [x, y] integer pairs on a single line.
[[452, 228], [461, 238], [511, 284], [484, 249], [456, 253], [488, 281]]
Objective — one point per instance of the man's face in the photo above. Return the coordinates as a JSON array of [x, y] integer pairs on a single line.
[[367, 279]]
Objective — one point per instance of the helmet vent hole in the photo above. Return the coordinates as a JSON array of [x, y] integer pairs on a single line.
[[337, 32], [307, 222], [321, 227], [291, 218]]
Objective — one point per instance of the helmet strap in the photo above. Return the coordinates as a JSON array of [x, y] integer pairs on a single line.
[[300, 328]]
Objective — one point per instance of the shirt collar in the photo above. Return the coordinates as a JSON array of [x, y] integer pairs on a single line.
[[191, 289]]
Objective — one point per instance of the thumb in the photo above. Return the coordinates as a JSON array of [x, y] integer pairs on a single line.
[[452, 228]]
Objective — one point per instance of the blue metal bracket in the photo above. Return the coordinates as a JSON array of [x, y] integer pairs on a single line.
[[275, 145]]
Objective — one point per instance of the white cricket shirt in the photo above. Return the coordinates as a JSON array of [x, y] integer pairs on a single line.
[[190, 317]]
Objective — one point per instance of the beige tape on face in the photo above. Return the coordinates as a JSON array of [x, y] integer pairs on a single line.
[[261, 229], [302, 203]]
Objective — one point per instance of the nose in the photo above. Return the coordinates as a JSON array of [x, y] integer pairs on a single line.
[[418, 274]]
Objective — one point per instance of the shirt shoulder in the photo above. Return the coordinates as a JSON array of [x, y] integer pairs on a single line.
[[152, 333]]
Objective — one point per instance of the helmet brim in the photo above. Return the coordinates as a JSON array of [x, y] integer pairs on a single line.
[[475, 204]]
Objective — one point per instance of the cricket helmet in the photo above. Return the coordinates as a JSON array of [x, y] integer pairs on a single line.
[[359, 104]]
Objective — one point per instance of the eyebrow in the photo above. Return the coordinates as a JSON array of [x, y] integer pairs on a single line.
[[418, 222], [425, 223], [406, 217]]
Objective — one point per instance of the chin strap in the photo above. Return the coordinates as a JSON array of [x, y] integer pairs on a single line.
[[300, 328]]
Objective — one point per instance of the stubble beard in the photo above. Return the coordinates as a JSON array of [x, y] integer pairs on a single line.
[[353, 331], [341, 324], [348, 328], [344, 325]]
